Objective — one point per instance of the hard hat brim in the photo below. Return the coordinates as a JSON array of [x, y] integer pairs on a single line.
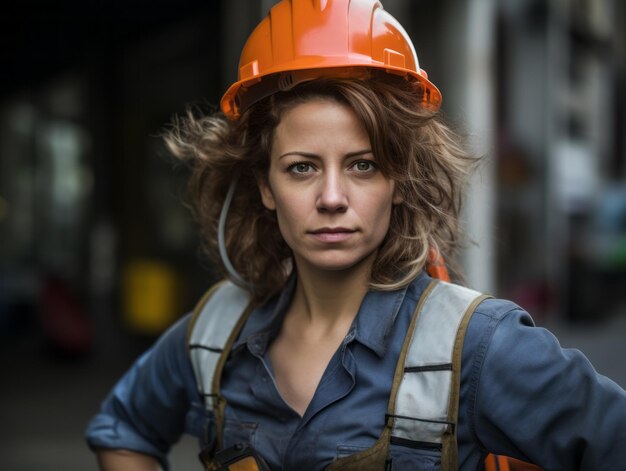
[[245, 92]]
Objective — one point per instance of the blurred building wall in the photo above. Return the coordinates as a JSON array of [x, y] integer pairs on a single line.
[[538, 88]]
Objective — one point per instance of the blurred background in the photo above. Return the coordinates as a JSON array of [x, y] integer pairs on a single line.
[[99, 254]]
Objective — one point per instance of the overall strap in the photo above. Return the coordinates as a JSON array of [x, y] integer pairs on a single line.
[[424, 400], [216, 323]]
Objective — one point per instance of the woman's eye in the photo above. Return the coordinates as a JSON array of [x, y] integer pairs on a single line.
[[364, 166], [300, 167]]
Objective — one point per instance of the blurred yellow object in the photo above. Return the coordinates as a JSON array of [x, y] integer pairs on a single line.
[[150, 294]]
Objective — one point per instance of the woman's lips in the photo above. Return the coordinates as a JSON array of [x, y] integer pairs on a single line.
[[332, 234]]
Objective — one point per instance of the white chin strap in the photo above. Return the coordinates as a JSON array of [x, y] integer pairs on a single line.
[[221, 228]]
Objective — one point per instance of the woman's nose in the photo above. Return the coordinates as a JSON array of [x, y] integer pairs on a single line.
[[332, 196]]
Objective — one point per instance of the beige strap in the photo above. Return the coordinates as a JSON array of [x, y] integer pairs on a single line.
[[399, 373], [423, 404], [216, 323], [449, 454]]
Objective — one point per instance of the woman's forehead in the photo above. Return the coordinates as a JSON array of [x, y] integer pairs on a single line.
[[317, 121]]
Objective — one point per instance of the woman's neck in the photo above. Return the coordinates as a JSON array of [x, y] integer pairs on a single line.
[[330, 299]]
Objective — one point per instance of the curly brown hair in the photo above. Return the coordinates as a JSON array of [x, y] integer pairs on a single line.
[[411, 144]]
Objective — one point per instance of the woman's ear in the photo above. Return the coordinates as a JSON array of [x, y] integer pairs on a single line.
[[267, 197], [397, 197]]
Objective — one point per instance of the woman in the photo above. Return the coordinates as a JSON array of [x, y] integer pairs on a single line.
[[321, 190]]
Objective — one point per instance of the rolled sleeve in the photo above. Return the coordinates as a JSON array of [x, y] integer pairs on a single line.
[[541, 403], [147, 409], [106, 431]]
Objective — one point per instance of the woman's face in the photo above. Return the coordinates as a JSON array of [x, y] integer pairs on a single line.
[[332, 203]]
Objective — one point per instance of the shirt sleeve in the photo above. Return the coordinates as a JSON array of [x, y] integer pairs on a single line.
[[542, 403], [146, 410]]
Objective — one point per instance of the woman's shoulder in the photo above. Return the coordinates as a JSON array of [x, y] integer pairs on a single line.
[[497, 322], [501, 335], [489, 311], [497, 310]]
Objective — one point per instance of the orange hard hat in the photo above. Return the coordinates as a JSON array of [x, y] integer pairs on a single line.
[[301, 40]]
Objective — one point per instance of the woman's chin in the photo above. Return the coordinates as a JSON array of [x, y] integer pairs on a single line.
[[335, 265]]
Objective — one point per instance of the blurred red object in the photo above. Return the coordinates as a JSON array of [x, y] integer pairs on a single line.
[[64, 320]]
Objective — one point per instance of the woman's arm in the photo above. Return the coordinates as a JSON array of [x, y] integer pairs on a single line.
[[148, 409], [541, 403], [126, 460]]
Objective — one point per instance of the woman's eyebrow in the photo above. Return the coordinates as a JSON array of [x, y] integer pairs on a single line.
[[315, 156], [359, 152], [300, 154]]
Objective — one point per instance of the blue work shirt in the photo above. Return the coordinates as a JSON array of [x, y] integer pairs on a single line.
[[521, 395]]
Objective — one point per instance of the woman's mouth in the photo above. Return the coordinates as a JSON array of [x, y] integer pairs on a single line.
[[332, 234]]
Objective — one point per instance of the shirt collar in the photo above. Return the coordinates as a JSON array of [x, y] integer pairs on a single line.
[[265, 321], [372, 326]]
